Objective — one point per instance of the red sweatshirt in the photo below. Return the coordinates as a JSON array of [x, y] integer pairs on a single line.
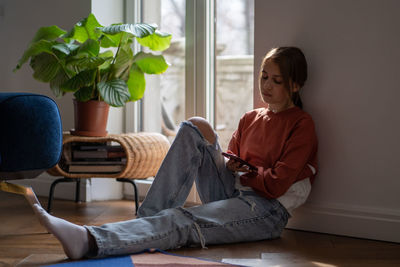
[[281, 145]]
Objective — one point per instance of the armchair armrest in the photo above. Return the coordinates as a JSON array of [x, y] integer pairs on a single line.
[[30, 135]]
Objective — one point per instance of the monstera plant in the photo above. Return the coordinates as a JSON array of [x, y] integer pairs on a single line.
[[95, 62]]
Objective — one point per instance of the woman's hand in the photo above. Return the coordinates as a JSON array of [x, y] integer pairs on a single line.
[[236, 166]]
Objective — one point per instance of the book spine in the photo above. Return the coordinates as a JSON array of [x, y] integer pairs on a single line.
[[94, 158], [95, 168]]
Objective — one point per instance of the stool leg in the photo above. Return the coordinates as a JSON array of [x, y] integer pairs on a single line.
[[125, 180], [52, 187], [78, 190]]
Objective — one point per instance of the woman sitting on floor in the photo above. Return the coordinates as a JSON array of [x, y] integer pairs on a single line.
[[239, 204]]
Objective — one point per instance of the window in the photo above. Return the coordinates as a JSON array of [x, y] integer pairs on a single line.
[[211, 57], [234, 65], [172, 89]]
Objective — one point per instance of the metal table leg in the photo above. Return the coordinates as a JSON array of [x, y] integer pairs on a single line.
[[125, 180], [63, 180]]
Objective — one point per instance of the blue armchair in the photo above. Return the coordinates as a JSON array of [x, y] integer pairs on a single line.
[[30, 139]]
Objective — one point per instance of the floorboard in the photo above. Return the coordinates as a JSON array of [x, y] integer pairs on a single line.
[[22, 236]]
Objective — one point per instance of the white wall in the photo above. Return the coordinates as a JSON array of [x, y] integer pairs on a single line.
[[353, 51], [19, 22]]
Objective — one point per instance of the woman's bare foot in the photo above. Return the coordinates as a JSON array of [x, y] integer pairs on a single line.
[[74, 238]]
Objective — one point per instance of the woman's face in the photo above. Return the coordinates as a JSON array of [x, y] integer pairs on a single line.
[[272, 88]]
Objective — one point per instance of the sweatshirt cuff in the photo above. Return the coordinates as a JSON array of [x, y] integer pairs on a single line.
[[253, 179]]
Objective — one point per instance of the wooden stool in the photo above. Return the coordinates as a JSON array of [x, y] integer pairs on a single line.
[[144, 153]]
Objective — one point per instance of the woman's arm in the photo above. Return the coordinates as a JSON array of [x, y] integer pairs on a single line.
[[299, 149]]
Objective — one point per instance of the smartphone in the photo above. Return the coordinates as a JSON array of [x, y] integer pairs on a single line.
[[242, 161]]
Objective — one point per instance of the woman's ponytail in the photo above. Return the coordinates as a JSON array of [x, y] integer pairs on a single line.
[[297, 100]]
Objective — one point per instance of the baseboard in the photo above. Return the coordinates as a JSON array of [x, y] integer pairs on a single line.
[[348, 220], [94, 189], [143, 186]]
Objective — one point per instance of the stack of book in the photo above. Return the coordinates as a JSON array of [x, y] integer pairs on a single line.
[[94, 158]]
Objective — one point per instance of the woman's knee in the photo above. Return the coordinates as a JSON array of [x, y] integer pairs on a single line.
[[204, 127]]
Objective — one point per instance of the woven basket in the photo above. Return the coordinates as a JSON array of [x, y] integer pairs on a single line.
[[144, 154]]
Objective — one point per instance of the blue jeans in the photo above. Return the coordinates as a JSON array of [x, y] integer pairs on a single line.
[[227, 215]]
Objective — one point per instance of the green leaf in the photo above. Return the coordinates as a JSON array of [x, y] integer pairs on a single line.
[[55, 84], [138, 30], [45, 67], [90, 47], [82, 79], [123, 63], [57, 91], [48, 33], [86, 63], [86, 57], [106, 54], [108, 57], [108, 40], [33, 50], [114, 92], [64, 48], [84, 94], [158, 41], [84, 29], [151, 64], [136, 83]]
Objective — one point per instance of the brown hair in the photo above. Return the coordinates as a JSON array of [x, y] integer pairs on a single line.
[[293, 66]]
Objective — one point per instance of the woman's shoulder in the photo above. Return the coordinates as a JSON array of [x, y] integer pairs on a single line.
[[251, 116], [293, 115], [255, 113], [303, 119], [304, 115], [296, 118]]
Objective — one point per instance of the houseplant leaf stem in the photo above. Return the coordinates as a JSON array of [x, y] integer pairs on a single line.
[[116, 53]]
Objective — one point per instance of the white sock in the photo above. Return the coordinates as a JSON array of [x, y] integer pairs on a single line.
[[74, 238]]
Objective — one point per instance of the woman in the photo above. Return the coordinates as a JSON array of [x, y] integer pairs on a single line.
[[239, 204]]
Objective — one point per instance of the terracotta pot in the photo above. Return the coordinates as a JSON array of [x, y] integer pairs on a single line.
[[90, 118]]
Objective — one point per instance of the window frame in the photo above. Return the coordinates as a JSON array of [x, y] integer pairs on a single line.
[[199, 62]]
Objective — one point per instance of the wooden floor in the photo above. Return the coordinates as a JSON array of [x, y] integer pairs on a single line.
[[22, 236]]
